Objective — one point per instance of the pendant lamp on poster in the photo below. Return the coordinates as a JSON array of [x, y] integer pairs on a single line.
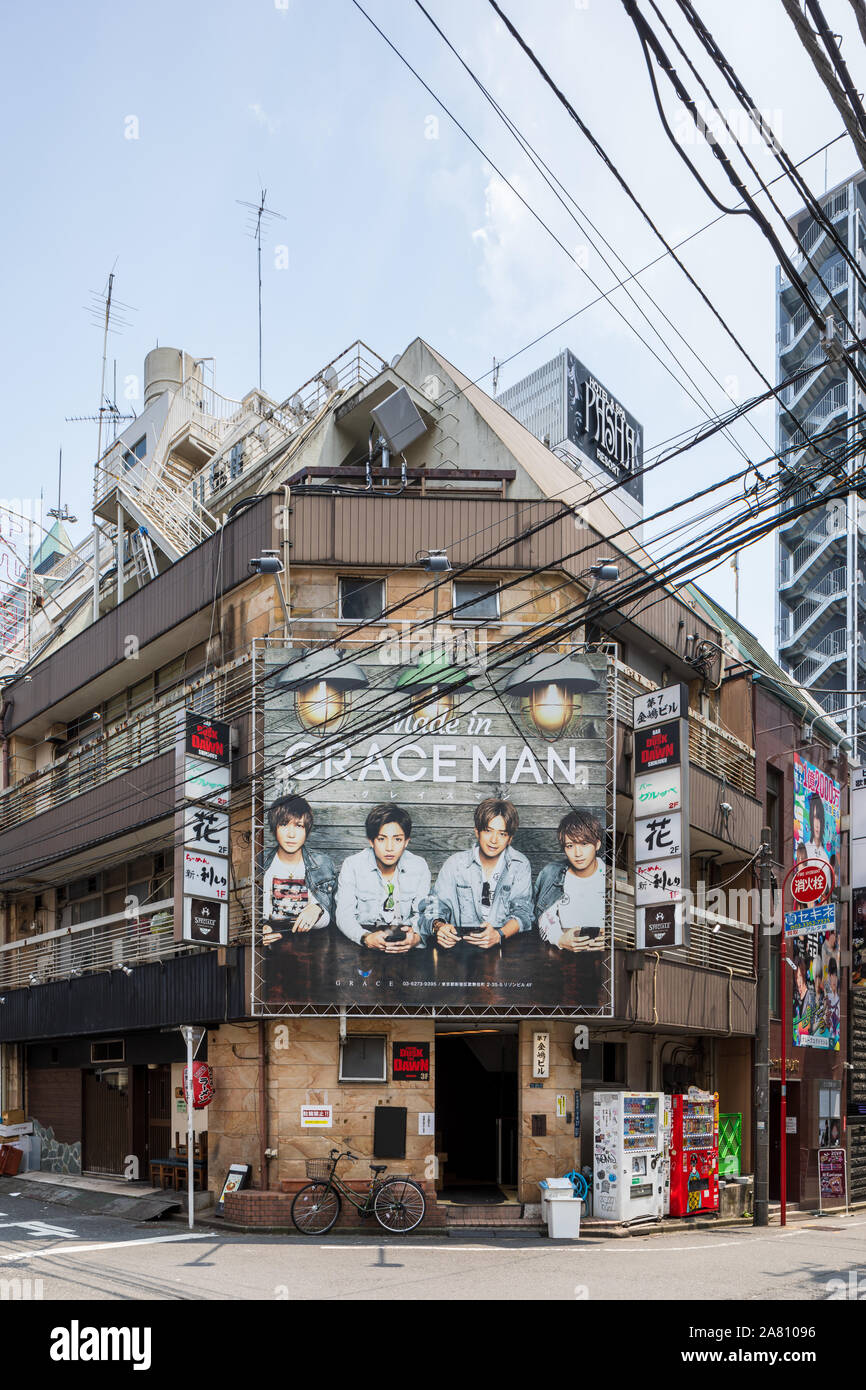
[[550, 687], [322, 681]]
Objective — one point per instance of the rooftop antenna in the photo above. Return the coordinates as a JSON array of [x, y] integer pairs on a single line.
[[256, 215], [495, 375], [61, 512], [109, 314]]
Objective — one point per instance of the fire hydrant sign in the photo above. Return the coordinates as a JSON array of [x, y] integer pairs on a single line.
[[317, 1116], [812, 882]]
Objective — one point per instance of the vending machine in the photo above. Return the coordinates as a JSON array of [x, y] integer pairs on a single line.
[[628, 1177], [666, 1158], [694, 1153]]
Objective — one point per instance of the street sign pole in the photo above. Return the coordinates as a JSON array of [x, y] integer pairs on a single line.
[[190, 1142], [762, 1046]]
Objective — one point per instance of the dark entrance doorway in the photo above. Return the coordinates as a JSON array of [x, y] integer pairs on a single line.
[[792, 1142], [159, 1138], [476, 1110], [106, 1120]]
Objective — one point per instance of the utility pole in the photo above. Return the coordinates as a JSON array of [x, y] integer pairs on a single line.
[[762, 1045]]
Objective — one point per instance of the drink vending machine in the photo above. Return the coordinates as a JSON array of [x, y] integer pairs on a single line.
[[628, 1155], [694, 1153]]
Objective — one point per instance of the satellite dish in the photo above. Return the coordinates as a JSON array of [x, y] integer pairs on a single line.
[[262, 432], [396, 358], [297, 405], [330, 379]]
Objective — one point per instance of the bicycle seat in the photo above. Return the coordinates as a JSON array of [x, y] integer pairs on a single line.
[[378, 1167]]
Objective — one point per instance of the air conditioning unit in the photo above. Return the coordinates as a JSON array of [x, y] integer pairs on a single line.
[[56, 734]]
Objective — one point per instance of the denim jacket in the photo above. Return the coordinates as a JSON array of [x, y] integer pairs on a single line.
[[321, 880], [361, 893], [457, 895], [550, 889]]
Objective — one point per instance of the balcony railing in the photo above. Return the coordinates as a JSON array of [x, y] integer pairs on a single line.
[[123, 746], [834, 645], [710, 746], [830, 527], [105, 944], [715, 942], [832, 586]]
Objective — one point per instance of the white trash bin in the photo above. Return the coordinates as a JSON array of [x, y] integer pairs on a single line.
[[562, 1208]]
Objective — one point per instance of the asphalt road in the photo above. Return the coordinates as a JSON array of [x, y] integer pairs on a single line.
[[49, 1254]]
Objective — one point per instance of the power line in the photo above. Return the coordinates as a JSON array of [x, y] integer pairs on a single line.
[[599, 150]]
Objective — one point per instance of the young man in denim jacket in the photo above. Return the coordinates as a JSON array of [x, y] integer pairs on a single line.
[[483, 895], [298, 884], [570, 895], [381, 888]]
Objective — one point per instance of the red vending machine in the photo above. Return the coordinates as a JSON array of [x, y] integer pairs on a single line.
[[694, 1153]]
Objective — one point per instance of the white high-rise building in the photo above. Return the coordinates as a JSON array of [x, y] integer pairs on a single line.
[[820, 554]]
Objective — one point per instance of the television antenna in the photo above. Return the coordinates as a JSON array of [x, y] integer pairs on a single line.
[[257, 213], [61, 512]]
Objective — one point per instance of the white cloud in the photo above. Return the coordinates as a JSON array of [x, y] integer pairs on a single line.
[[270, 123]]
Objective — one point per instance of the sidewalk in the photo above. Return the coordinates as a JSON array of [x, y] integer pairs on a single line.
[[132, 1201]]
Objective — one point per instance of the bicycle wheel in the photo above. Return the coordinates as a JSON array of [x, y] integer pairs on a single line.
[[316, 1208], [399, 1205]]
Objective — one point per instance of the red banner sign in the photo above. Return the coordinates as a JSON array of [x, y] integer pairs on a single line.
[[202, 1085]]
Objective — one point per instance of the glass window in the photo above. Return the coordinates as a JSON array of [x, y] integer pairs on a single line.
[[362, 600], [829, 1114], [475, 600], [362, 1058], [135, 452]]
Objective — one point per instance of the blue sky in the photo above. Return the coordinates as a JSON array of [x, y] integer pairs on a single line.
[[390, 233]]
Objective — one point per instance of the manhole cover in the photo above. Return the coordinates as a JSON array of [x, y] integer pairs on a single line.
[[822, 1228]]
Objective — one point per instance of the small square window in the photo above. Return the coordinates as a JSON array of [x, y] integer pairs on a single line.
[[362, 600], [475, 601], [135, 452], [362, 1057]]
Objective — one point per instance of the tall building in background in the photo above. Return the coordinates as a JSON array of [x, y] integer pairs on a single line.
[[570, 411], [819, 555]]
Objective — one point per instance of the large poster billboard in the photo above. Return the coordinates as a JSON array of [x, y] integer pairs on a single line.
[[433, 834], [816, 954], [816, 815]]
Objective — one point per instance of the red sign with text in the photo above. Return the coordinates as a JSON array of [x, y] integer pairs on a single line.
[[812, 882], [411, 1062]]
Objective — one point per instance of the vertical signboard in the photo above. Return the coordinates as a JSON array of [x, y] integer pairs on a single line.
[[858, 878], [202, 831], [816, 952], [661, 810]]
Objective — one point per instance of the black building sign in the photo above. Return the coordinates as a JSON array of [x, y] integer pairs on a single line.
[[661, 925], [208, 738], [657, 747], [411, 1061], [603, 429]]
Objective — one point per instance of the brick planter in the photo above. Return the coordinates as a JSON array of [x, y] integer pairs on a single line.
[[252, 1207]]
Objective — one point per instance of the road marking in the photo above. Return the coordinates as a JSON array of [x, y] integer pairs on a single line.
[[39, 1228], [104, 1245]]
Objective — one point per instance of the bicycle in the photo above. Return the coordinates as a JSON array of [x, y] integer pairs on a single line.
[[397, 1203]]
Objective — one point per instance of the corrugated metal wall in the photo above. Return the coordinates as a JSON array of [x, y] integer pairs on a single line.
[[135, 799], [186, 989], [214, 567]]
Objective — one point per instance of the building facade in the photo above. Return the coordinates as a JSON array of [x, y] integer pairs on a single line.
[[242, 528], [819, 554]]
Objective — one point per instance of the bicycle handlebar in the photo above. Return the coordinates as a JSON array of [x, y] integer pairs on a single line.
[[335, 1153]]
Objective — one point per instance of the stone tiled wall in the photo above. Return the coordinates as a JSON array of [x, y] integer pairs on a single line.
[[303, 1060], [558, 1151], [303, 1065]]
